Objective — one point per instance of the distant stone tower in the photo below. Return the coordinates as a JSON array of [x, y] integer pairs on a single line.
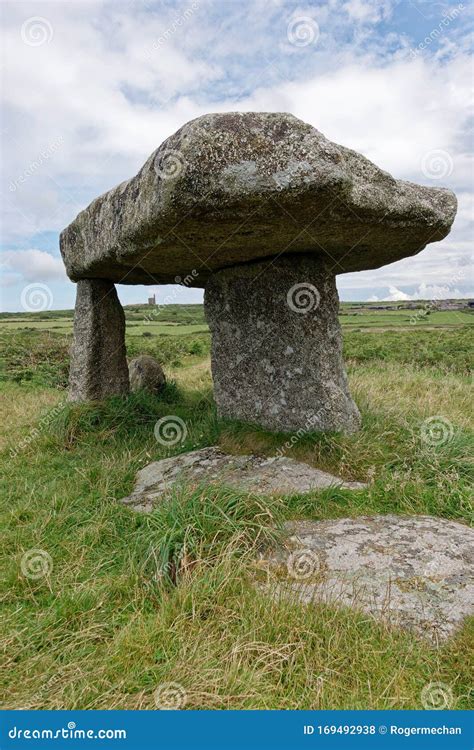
[[152, 300]]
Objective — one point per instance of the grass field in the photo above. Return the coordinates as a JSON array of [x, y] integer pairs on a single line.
[[104, 626], [170, 320]]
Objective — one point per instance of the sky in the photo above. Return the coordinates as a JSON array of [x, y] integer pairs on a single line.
[[90, 88]]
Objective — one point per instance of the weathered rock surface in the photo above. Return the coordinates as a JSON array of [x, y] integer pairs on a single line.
[[412, 571], [265, 476], [146, 374], [98, 358], [277, 346], [237, 187], [270, 192]]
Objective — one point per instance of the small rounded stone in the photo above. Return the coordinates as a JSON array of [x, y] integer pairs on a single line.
[[146, 374]]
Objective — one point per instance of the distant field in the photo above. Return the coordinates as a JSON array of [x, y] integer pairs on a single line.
[[409, 318], [179, 320], [133, 328], [35, 346]]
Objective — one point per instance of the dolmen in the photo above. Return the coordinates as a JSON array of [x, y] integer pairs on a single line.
[[262, 211]]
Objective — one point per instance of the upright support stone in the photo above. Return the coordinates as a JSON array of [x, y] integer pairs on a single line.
[[98, 358], [243, 187], [277, 346]]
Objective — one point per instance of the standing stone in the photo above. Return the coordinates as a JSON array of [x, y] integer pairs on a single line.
[[98, 358], [277, 347]]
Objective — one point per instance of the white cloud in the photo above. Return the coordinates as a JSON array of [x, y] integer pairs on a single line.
[[392, 113], [424, 292], [30, 265], [367, 11], [108, 92], [396, 295]]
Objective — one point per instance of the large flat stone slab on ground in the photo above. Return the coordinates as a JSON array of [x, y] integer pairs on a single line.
[[412, 571], [265, 476]]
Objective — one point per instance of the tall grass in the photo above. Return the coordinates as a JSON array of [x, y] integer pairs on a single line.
[[130, 602]]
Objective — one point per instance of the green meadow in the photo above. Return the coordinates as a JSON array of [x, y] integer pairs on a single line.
[[104, 625]]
